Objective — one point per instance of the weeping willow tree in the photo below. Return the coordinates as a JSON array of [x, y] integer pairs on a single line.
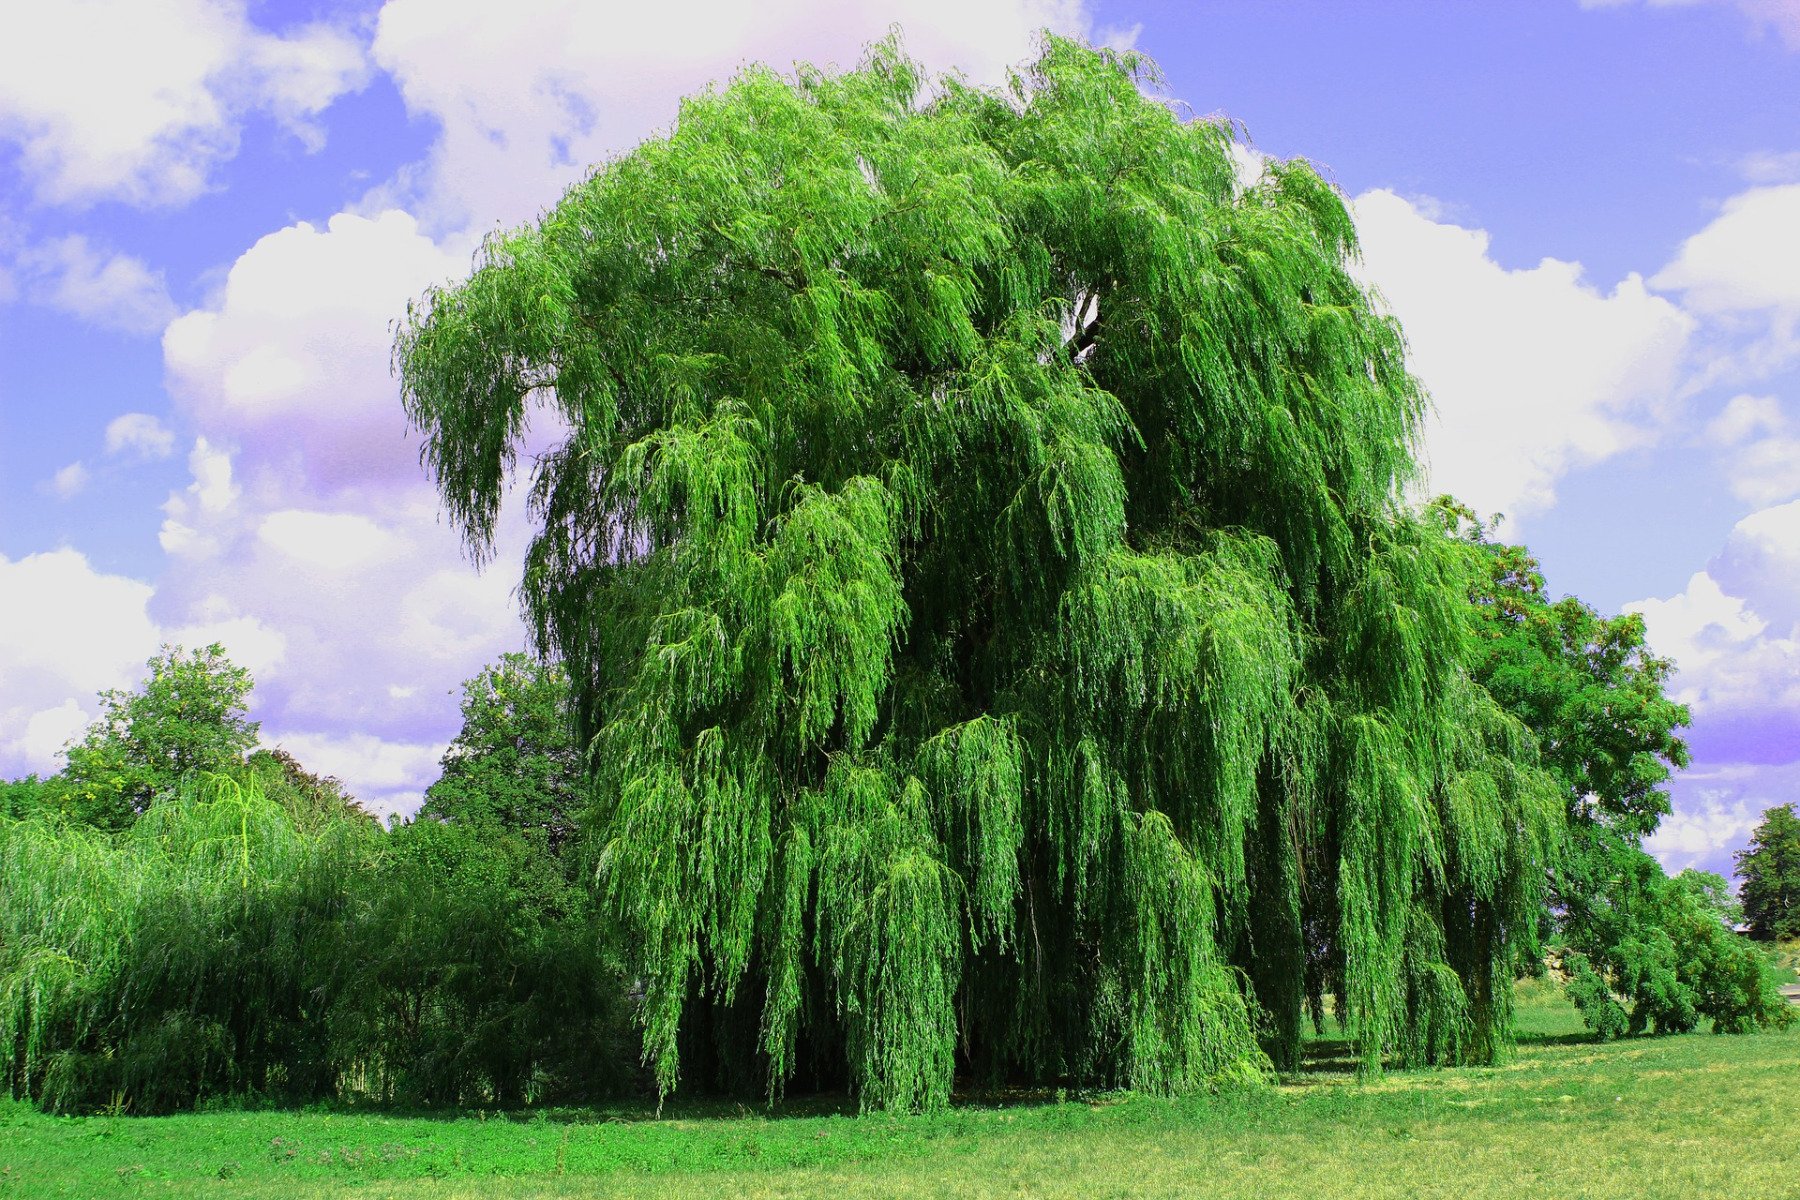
[[980, 552]]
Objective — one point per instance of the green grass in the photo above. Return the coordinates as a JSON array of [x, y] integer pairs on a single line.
[[1693, 1116]]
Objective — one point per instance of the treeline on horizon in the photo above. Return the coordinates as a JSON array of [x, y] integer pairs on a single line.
[[986, 641]]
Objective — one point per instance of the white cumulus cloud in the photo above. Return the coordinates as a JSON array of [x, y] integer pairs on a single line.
[[1713, 816], [1760, 448], [1734, 633], [1741, 272], [386, 771], [291, 363], [1533, 372], [67, 632], [1716, 808], [69, 481], [335, 541], [137, 100], [45, 736], [207, 501], [1747, 258], [1717, 822], [139, 435]]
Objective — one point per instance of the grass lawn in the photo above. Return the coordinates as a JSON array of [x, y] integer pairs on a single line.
[[1694, 1116]]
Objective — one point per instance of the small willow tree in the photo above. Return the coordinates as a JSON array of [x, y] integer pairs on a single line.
[[980, 554]]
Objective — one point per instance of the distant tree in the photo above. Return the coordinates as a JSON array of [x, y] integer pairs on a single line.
[[1654, 955], [515, 763], [1588, 684], [187, 716], [1770, 869], [312, 800], [1714, 893]]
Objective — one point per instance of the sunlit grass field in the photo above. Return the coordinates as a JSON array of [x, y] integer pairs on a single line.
[[1693, 1116]]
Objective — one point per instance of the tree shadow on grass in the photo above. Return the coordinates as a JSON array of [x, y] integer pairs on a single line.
[[626, 1111], [1324, 1060], [1331, 1060], [705, 1109], [1538, 1038]]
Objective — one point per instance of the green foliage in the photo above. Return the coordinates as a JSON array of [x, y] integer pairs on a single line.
[[1713, 892], [230, 944], [20, 798], [185, 957], [1643, 952], [1586, 683], [994, 622], [186, 718], [482, 981], [492, 982], [1770, 869], [515, 764], [1655, 956], [1592, 994], [309, 800]]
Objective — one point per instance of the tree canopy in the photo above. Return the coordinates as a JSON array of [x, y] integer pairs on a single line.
[[186, 718], [1588, 684], [515, 763], [980, 553]]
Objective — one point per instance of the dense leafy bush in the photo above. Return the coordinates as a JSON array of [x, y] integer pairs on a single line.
[[199, 952], [486, 979], [224, 944]]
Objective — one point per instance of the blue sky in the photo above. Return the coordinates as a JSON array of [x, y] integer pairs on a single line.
[[1585, 214]]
